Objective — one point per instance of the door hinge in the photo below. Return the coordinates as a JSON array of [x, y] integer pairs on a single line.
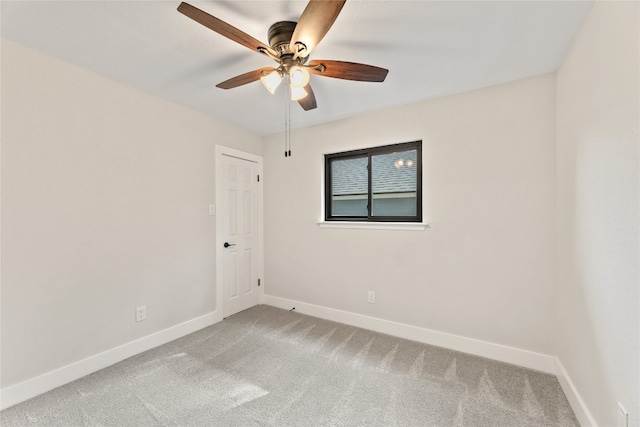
[[258, 178], [258, 282]]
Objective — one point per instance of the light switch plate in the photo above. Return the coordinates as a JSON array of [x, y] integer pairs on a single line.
[[212, 209]]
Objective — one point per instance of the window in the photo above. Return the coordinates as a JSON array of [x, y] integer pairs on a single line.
[[375, 184]]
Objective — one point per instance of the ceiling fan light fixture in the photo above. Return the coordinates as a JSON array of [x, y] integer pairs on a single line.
[[297, 93], [271, 81], [290, 44], [299, 76]]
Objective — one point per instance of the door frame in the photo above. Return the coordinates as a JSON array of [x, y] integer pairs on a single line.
[[222, 151]]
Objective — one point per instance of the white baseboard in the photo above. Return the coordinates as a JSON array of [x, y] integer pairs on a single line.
[[20, 392], [580, 409], [516, 356], [32, 387]]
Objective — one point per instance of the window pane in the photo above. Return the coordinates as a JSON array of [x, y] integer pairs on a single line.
[[349, 183], [394, 183], [375, 184]]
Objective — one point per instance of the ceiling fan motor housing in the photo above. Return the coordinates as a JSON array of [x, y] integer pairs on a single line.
[[280, 36]]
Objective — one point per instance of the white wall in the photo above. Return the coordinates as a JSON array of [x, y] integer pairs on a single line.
[[597, 202], [104, 208], [485, 267]]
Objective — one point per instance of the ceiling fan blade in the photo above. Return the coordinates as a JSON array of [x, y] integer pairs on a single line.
[[314, 23], [222, 28], [308, 102], [347, 70], [245, 78]]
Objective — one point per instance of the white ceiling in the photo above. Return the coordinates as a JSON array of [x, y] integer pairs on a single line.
[[432, 48]]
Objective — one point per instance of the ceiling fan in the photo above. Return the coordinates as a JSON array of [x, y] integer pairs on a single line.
[[290, 44]]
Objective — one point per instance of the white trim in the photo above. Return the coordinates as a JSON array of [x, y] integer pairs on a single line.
[[503, 353], [413, 226], [580, 409], [221, 151], [231, 152], [32, 387]]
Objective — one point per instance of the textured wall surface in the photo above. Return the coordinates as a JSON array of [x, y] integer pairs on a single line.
[[104, 208], [598, 256], [485, 267]]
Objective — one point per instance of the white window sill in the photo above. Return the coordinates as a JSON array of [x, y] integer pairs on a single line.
[[414, 226]]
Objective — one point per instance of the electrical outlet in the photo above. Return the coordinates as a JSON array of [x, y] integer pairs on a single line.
[[141, 313], [212, 210], [623, 416], [372, 297]]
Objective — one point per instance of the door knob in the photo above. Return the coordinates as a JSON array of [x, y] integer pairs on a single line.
[[227, 244]]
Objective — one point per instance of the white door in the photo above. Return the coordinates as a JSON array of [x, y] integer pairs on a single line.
[[239, 235]]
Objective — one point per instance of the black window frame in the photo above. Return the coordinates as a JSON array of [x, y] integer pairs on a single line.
[[369, 153]]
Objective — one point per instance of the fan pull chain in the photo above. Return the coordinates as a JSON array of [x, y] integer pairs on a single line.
[[287, 119]]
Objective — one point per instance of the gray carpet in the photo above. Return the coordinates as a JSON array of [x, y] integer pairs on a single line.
[[271, 367]]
